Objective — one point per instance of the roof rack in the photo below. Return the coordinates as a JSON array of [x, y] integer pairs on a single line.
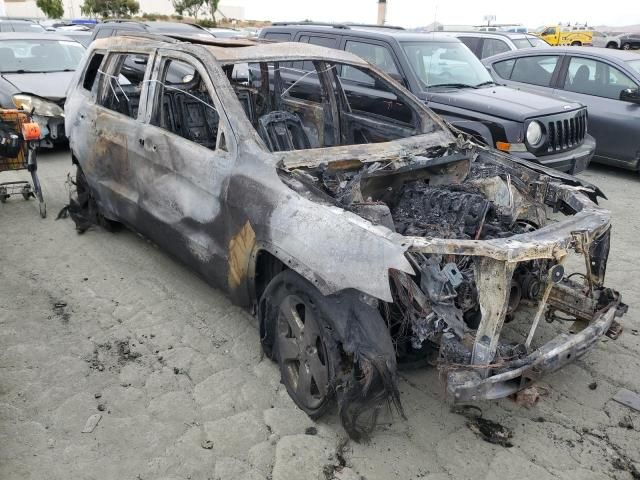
[[345, 26], [121, 20], [186, 38]]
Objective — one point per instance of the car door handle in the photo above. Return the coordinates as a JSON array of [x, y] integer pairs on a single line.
[[141, 142]]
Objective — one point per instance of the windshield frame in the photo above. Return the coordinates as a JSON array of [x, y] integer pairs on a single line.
[[484, 77], [63, 43], [428, 124]]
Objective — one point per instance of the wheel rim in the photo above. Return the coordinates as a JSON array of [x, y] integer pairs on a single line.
[[626, 46], [302, 353]]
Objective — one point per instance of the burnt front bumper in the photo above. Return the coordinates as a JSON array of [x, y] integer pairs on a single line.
[[468, 384]]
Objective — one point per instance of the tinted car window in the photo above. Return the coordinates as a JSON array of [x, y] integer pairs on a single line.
[[121, 90], [504, 68], [535, 70], [316, 40], [471, 42], [375, 54], [281, 37], [592, 77], [104, 32], [492, 46]]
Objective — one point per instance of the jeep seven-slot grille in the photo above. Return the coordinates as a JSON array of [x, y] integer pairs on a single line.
[[565, 131]]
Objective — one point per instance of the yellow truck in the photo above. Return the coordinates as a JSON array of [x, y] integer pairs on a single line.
[[566, 35]]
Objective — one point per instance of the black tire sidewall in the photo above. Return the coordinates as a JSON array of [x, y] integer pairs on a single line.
[[284, 284]]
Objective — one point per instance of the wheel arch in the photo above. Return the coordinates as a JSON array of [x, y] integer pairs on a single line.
[[266, 261]]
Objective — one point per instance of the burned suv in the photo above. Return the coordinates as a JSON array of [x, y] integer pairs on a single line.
[[359, 239]]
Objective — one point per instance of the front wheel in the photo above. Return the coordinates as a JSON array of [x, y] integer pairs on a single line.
[[576, 44], [330, 346], [612, 45], [295, 335], [626, 46]]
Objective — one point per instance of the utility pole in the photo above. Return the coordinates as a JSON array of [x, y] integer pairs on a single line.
[[382, 12]]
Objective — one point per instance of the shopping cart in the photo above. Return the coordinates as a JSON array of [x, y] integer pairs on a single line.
[[19, 139]]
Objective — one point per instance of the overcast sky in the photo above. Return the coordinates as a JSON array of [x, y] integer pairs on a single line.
[[414, 13]]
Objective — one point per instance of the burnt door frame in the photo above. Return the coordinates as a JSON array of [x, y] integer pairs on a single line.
[[183, 184], [115, 153]]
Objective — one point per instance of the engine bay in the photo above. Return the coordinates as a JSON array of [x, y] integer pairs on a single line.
[[461, 197]]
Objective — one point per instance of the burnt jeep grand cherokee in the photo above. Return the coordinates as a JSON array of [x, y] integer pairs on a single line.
[[359, 239], [448, 77]]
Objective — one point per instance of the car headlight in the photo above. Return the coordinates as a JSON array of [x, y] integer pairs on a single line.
[[534, 134], [37, 106]]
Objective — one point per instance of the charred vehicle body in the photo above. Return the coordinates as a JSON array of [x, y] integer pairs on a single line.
[[358, 239]]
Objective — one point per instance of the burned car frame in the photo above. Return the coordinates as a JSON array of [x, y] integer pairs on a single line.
[[359, 236]]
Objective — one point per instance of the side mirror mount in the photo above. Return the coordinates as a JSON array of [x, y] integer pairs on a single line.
[[630, 95]]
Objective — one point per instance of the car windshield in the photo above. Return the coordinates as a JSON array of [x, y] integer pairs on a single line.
[[528, 42], [39, 56], [446, 64], [635, 64]]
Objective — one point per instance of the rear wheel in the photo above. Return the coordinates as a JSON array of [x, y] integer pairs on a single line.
[[84, 210], [576, 44], [626, 46], [612, 45]]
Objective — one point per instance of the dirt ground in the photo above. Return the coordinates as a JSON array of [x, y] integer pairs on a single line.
[[108, 324]]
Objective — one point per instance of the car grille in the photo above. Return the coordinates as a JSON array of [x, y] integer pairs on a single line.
[[565, 131]]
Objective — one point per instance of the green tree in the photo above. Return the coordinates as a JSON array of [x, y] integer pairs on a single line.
[[213, 8], [51, 8], [192, 7], [110, 8]]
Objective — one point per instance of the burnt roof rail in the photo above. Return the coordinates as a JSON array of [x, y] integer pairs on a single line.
[[345, 26]]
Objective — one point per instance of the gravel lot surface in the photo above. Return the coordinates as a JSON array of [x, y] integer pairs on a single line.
[[108, 324]]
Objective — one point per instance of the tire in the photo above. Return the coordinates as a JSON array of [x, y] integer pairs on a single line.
[[612, 45], [3, 195], [626, 46], [576, 44], [347, 343], [294, 332], [84, 210]]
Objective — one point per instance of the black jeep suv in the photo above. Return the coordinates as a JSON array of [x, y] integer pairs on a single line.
[[445, 74]]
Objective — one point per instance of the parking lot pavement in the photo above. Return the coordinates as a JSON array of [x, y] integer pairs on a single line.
[[108, 324]]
